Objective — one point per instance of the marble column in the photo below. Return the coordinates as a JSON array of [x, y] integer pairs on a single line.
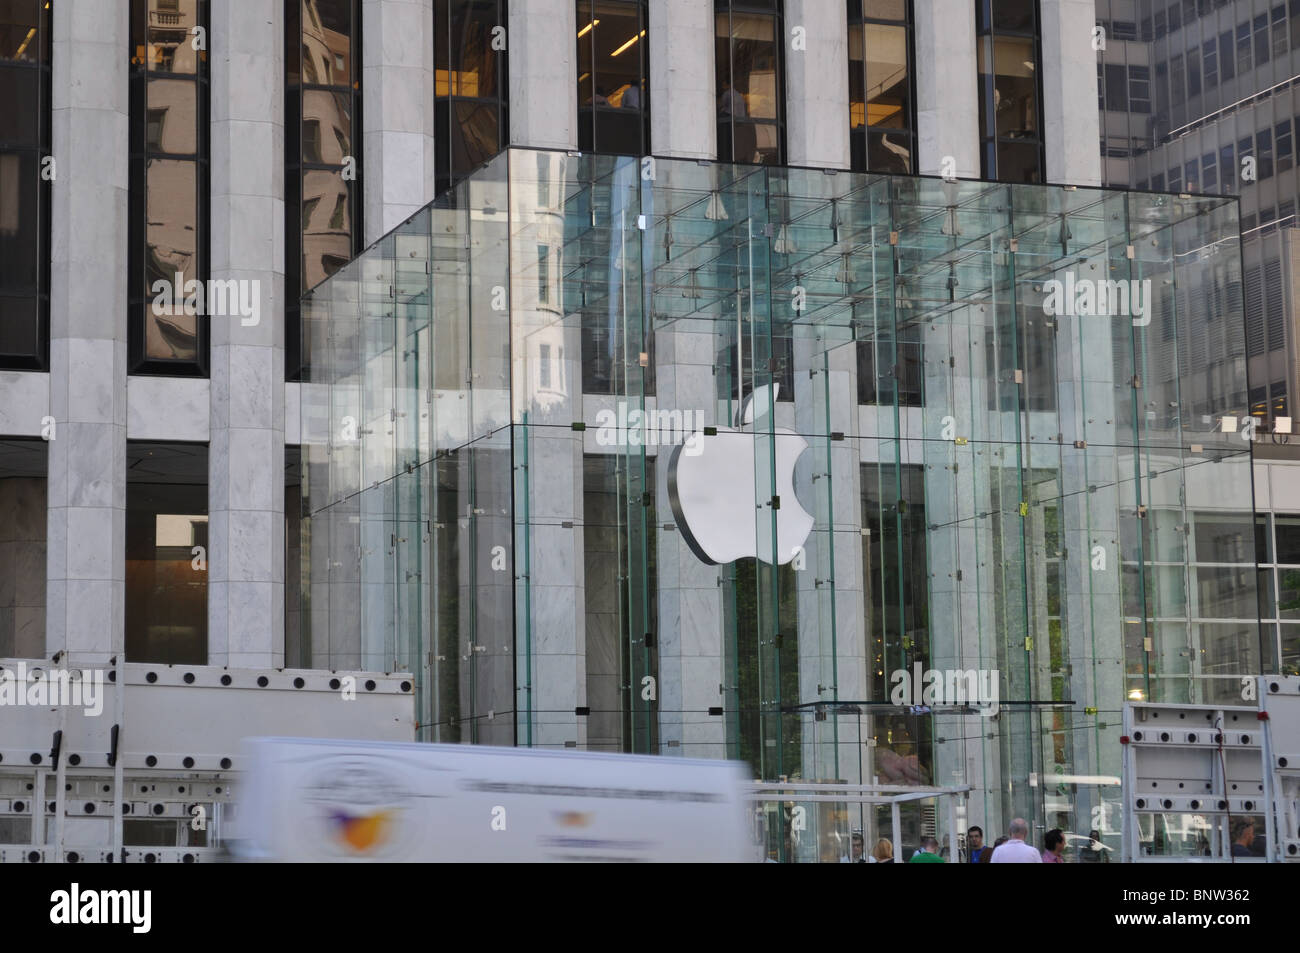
[[543, 74], [86, 555], [246, 459], [947, 87], [1072, 121], [817, 84], [683, 86], [397, 113]]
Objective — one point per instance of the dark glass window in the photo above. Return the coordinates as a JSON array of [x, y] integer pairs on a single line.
[[1008, 61], [1209, 173], [166, 553], [1210, 63], [322, 151], [886, 368], [1264, 150], [471, 86], [1139, 89], [750, 82], [613, 76], [1244, 63], [1282, 145], [1116, 87], [24, 192], [1226, 68], [168, 331], [882, 112]]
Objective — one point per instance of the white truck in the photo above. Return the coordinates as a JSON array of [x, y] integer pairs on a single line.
[[312, 800]]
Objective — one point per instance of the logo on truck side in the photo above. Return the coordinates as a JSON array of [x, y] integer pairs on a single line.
[[356, 808]]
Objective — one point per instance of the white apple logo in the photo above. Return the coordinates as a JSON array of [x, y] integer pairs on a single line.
[[714, 492]]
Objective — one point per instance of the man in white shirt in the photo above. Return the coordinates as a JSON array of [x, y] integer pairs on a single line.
[[1015, 850]]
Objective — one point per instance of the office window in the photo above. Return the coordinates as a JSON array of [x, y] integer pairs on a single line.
[[1227, 168], [1278, 17], [613, 76], [1116, 87], [471, 86], [1264, 152], [1282, 145], [24, 194], [1261, 39], [882, 115], [1010, 100], [24, 470], [166, 553], [1209, 173], [1192, 176], [168, 231], [1139, 89], [1210, 64], [322, 151], [1177, 80], [1226, 61], [750, 83], [1244, 62], [1193, 73], [1175, 18]]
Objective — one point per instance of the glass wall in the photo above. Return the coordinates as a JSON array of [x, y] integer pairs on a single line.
[[750, 81], [1008, 58], [322, 149], [1042, 501], [25, 184], [882, 111], [167, 552], [169, 185], [471, 86], [613, 76]]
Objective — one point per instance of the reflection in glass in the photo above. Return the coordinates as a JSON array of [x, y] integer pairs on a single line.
[[169, 187], [322, 156], [1009, 73]]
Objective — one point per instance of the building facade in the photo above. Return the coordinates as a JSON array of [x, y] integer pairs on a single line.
[[501, 298]]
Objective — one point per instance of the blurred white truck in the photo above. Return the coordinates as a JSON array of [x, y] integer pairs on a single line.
[[311, 800]]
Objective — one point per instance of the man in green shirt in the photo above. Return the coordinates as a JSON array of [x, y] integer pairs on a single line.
[[927, 853]]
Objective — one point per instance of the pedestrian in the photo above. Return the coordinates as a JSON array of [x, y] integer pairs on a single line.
[[1015, 850], [855, 850], [1243, 835], [1095, 852], [975, 848], [883, 852], [1053, 846], [927, 853]]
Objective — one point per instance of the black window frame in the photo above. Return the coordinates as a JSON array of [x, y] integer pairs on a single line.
[[776, 10], [860, 137], [987, 32], [139, 292], [296, 360], [589, 111], [36, 153], [445, 13]]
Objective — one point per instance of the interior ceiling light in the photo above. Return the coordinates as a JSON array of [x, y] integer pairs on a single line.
[[587, 29], [628, 43]]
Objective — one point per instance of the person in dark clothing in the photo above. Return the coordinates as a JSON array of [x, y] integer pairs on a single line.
[[975, 846], [1243, 835]]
